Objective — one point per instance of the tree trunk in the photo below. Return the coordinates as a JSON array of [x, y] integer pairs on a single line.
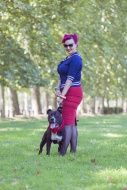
[[95, 105], [15, 101], [2, 102], [38, 99], [10, 103], [25, 103], [108, 102], [36, 103], [126, 105], [47, 100], [55, 103], [84, 103], [116, 102], [102, 109]]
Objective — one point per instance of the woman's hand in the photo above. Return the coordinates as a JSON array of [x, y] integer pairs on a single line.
[[58, 93], [59, 100], [61, 96]]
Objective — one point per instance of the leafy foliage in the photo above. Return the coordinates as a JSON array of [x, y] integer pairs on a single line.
[[30, 48]]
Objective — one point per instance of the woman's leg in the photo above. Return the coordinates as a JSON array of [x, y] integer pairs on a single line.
[[70, 104], [68, 135], [73, 142]]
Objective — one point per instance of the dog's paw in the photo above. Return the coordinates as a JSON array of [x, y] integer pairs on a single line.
[[39, 152]]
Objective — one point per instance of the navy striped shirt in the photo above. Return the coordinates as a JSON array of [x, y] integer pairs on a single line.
[[71, 68]]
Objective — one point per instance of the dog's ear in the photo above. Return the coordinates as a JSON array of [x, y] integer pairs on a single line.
[[60, 109], [48, 111]]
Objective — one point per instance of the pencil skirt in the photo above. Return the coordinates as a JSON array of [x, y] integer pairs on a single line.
[[70, 104]]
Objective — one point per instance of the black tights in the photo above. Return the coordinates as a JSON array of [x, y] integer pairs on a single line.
[[71, 137]]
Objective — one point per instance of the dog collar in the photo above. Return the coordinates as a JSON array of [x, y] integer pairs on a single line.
[[57, 129]]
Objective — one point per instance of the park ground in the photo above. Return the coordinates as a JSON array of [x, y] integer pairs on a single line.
[[100, 162]]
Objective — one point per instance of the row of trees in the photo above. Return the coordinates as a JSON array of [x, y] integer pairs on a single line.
[[30, 47]]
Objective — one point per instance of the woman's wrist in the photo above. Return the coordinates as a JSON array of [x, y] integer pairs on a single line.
[[62, 96]]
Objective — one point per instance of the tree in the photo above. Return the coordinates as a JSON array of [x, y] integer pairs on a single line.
[[31, 46], [2, 103]]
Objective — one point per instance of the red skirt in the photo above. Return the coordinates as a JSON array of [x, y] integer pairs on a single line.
[[70, 104]]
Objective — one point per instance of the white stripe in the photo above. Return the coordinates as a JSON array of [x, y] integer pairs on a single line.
[[76, 82], [73, 84], [70, 77]]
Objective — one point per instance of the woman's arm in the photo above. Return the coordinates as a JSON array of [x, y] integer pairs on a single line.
[[65, 90], [66, 87], [58, 85], [57, 89]]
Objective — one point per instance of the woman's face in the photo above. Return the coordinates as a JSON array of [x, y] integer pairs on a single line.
[[70, 46]]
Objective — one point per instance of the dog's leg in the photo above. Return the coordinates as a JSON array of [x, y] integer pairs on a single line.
[[73, 142], [63, 134], [48, 142], [43, 142], [60, 146], [67, 139]]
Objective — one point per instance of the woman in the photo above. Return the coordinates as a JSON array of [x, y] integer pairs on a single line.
[[69, 90]]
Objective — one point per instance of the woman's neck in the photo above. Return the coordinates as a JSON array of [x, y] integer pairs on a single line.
[[72, 54]]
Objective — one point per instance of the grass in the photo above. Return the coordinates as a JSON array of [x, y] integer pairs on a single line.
[[99, 164]]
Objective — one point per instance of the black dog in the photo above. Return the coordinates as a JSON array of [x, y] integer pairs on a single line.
[[54, 133]]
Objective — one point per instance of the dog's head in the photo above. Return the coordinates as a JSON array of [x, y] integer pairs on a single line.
[[55, 117]]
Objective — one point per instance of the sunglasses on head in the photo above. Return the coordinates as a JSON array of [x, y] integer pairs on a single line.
[[69, 45]]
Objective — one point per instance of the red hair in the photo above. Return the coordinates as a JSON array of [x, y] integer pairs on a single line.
[[70, 36]]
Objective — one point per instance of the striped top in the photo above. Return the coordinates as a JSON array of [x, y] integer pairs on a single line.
[[71, 68]]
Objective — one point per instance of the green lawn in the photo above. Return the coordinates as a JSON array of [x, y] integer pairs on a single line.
[[99, 164]]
